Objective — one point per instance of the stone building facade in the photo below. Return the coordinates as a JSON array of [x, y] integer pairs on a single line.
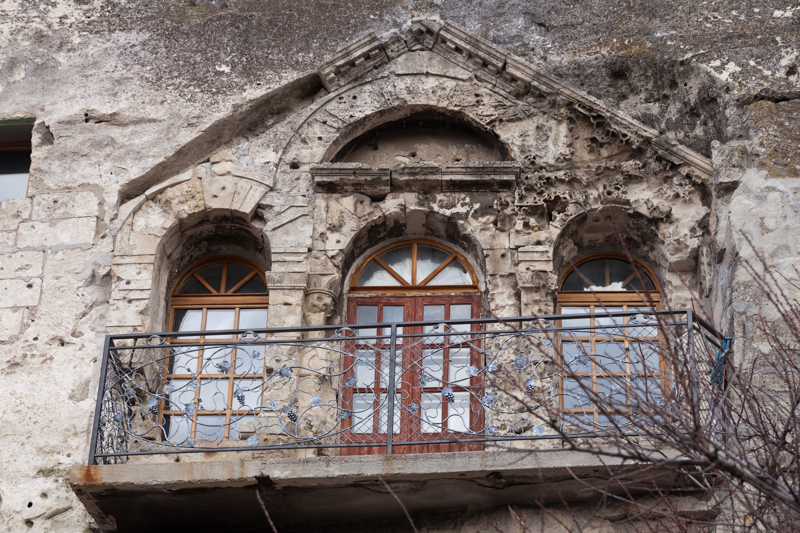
[[502, 134]]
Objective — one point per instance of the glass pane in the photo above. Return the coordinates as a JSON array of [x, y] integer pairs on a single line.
[[217, 360], [180, 393], [458, 412], [610, 357], [192, 286], [210, 427], [575, 397], [460, 312], [384, 415], [254, 285], [612, 393], [399, 260], [362, 413], [219, 319], [618, 273], [248, 360], [236, 273], [454, 273], [184, 359], [644, 357], [385, 369], [365, 369], [214, 394], [179, 429], [393, 314], [428, 259], [13, 186], [459, 366], [432, 367], [576, 322], [433, 313], [648, 320], [576, 356], [600, 321], [249, 396], [366, 314], [213, 275], [187, 320], [375, 275], [431, 412]]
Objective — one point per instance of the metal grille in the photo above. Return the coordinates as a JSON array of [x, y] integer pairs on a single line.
[[421, 384]]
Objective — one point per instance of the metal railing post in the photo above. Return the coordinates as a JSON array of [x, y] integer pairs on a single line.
[[693, 369], [101, 388], [390, 388]]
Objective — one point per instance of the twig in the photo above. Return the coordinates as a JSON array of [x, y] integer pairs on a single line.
[[264, 508], [410, 521]]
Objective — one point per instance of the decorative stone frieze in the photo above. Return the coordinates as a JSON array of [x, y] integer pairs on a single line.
[[354, 61], [351, 177]]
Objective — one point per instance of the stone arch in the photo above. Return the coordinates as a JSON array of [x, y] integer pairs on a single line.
[[191, 216]]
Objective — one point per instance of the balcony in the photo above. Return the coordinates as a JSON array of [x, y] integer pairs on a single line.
[[306, 408]]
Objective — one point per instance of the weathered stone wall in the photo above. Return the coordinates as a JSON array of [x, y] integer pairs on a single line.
[[164, 125]]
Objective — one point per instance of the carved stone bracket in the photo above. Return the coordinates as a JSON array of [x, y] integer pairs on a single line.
[[350, 63]]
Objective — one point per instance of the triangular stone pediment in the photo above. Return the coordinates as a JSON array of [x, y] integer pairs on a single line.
[[491, 65]]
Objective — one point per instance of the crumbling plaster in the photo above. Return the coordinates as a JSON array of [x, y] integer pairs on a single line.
[[131, 95]]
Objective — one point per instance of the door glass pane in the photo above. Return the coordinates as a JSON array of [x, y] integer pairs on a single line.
[[458, 412], [249, 359], [608, 321], [393, 314], [213, 275], [399, 260], [193, 286], [612, 393], [219, 319], [366, 314], [217, 360], [576, 323], [362, 413], [365, 368], [184, 359], [454, 273], [384, 414], [428, 259], [459, 366], [610, 357], [214, 394], [180, 393], [577, 356], [644, 357], [179, 429], [249, 391], [575, 396], [13, 185], [646, 321], [460, 312], [433, 313], [236, 273], [375, 275], [187, 320], [432, 367], [210, 427], [431, 412], [385, 368]]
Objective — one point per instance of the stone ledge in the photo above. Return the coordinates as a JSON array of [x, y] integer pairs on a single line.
[[135, 497]]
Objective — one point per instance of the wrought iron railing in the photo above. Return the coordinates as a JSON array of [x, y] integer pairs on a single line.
[[389, 388]]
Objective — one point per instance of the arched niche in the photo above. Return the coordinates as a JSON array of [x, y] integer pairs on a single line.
[[416, 134]]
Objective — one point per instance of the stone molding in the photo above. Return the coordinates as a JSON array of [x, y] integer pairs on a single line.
[[419, 177], [292, 281], [353, 61], [498, 68]]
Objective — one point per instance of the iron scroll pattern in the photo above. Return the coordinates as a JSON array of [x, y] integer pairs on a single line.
[[460, 382]]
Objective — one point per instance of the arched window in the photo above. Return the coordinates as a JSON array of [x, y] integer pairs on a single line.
[[601, 351], [217, 294], [413, 281]]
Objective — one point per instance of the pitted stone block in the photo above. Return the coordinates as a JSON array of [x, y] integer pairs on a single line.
[[351, 177], [362, 56]]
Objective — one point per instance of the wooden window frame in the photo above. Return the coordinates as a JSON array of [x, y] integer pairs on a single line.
[[416, 286], [203, 302], [596, 301]]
